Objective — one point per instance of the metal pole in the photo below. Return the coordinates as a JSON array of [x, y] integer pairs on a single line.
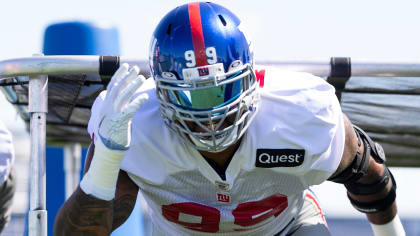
[[72, 158], [38, 108], [65, 65], [49, 65]]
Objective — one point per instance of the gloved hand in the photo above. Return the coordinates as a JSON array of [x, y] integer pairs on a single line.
[[117, 110], [114, 132]]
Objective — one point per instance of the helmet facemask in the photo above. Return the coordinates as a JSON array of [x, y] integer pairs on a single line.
[[209, 112]]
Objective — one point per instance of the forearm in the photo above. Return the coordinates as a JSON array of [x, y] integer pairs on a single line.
[[379, 202], [125, 199], [84, 215], [90, 209], [383, 217]]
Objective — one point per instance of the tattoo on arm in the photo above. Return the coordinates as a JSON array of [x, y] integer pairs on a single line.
[[125, 199], [82, 214]]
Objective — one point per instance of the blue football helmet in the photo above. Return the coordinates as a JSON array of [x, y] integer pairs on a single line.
[[202, 64]]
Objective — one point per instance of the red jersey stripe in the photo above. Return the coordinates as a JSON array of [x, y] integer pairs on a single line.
[[197, 33], [317, 206]]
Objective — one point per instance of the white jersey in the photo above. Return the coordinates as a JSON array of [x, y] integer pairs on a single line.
[[7, 153], [296, 140]]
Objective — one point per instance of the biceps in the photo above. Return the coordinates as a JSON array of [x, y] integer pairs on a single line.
[[350, 147], [357, 163]]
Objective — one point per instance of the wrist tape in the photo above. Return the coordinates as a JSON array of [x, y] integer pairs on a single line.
[[101, 178]]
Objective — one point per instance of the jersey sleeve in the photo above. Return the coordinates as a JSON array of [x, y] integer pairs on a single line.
[[312, 118], [327, 162], [329, 117]]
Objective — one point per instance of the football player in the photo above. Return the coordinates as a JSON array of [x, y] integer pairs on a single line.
[[218, 146]]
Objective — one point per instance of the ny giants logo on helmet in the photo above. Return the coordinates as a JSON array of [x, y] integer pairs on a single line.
[[203, 71]]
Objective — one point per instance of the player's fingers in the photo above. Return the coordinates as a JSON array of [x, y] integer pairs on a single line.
[[133, 72], [116, 91], [125, 95], [120, 73], [134, 105]]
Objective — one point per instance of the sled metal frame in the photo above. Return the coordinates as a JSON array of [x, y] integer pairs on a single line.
[[37, 68]]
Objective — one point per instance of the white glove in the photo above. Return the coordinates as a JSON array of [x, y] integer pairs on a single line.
[[117, 110], [114, 132]]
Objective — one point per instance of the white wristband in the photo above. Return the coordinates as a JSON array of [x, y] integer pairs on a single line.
[[392, 228], [101, 178]]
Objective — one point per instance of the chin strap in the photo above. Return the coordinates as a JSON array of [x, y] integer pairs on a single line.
[[215, 143]]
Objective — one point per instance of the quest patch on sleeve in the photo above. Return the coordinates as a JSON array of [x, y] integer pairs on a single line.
[[269, 158]]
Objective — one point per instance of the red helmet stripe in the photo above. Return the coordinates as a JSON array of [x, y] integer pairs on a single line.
[[197, 33]]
